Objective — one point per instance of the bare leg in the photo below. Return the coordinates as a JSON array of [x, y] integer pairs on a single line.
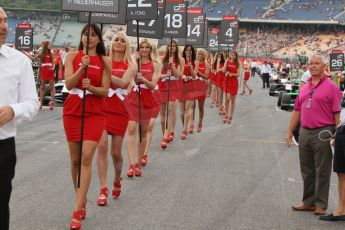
[[42, 88], [340, 210], [163, 116], [201, 104], [102, 159], [182, 110], [233, 104], [116, 153], [149, 135], [89, 148], [132, 146], [52, 90]]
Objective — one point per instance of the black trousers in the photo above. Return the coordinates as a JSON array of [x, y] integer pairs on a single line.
[[7, 169], [265, 80]]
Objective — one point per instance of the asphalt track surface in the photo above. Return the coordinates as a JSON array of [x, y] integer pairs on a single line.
[[239, 176]]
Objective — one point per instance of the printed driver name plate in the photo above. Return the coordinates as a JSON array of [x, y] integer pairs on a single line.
[[102, 6]]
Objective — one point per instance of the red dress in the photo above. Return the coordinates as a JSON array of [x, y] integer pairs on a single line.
[[187, 88], [163, 84], [246, 72], [117, 115], [95, 116], [150, 99], [231, 82], [220, 77], [46, 73], [213, 77], [201, 84]]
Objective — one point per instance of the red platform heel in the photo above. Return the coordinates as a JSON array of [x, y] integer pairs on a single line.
[[83, 210], [199, 128], [144, 160], [138, 171], [171, 136], [130, 172], [164, 143], [103, 197], [76, 216], [225, 120], [51, 105], [184, 134], [191, 128], [116, 190]]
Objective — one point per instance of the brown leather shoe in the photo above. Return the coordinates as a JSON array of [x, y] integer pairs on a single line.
[[320, 211], [303, 207]]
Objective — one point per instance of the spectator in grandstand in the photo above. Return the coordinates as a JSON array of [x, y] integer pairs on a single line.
[[46, 71], [316, 115], [18, 101], [339, 168], [265, 74]]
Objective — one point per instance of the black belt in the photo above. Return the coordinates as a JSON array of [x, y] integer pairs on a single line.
[[7, 140]]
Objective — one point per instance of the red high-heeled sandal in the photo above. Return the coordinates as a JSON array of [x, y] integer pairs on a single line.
[[51, 105], [171, 136], [103, 197], [199, 128], [184, 134], [130, 172], [76, 225], [138, 171], [225, 120], [144, 160], [191, 128], [229, 120], [83, 210], [164, 143], [116, 190]]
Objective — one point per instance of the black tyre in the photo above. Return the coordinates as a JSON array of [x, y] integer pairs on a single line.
[[285, 103], [272, 90], [280, 96]]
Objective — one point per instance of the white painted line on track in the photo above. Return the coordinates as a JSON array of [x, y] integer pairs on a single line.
[[191, 152], [279, 110]]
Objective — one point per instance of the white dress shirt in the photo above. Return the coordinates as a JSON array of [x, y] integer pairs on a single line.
[[266, 68], [305, 76], [17, 89]]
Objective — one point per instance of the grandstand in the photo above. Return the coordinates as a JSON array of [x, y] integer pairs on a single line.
[[268, 28]]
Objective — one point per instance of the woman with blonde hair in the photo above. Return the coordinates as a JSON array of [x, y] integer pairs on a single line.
[[202, 70], [146, 79], [157, 96], [123, 70]]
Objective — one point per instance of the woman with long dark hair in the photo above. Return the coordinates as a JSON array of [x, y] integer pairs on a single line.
[[187, 92], [232, 72], [46, 71], [123, 70], [172, 66], [221, 59], [96, 85]]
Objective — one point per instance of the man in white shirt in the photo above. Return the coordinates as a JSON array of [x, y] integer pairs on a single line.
[[18, 101], [265, 74], [305, 76]]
